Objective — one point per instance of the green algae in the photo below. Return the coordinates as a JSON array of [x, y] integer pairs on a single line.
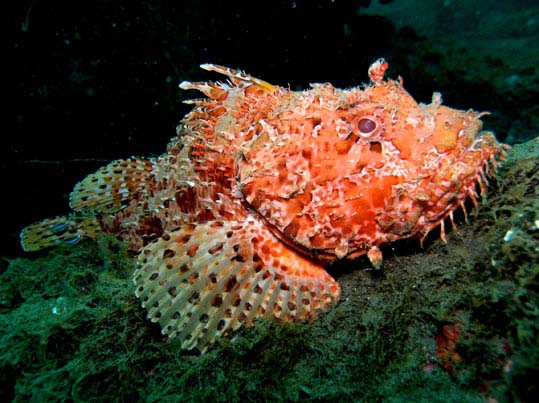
[[71, 329]]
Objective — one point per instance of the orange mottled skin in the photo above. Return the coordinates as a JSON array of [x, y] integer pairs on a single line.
[[299, 160], [263, 185]]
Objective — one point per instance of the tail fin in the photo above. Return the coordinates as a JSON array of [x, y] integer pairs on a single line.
[[62, 230]]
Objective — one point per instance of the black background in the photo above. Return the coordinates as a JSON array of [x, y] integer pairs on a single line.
[[93, 81]]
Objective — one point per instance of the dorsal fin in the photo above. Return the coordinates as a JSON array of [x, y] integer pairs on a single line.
[[238, 78], [206, 279], [107, 190]]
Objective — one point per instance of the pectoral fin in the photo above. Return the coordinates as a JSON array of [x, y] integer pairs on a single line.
[[206, 279]]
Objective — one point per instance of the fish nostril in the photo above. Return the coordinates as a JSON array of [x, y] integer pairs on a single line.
[[376, 147]]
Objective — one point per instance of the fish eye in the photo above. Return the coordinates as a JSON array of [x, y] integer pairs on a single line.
[[366, 126]]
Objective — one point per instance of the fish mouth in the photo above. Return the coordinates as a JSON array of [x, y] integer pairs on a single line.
[[460, 173], [467, 178]]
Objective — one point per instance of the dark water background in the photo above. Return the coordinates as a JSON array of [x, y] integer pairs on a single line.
[[93, 81]]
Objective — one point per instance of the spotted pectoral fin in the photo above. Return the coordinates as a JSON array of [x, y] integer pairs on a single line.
[[108, 189], [206, 279], [63, 230]]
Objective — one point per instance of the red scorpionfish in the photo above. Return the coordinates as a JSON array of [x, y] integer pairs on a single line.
[[264, 186]]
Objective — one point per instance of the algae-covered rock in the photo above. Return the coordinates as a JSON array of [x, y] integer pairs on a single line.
[[443, 322]]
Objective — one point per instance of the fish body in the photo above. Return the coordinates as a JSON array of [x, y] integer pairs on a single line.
[[263, 186]]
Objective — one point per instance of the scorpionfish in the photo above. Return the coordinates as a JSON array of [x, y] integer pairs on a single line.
[[263, 187]]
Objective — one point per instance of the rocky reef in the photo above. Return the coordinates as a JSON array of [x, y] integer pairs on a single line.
[[455, 321]]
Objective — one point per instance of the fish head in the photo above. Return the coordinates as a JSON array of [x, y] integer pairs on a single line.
[[335, 173]]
